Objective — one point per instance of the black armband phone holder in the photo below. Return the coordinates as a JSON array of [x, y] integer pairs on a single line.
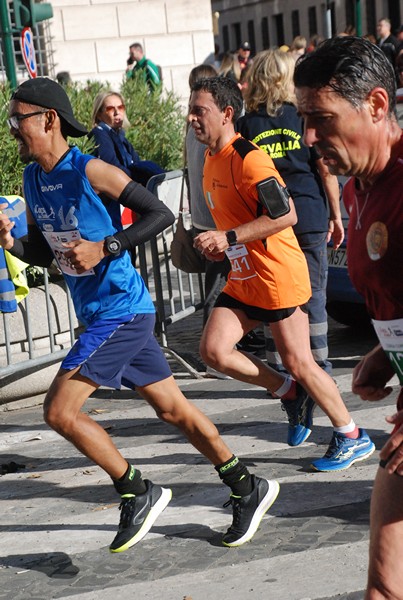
[[274, 197]]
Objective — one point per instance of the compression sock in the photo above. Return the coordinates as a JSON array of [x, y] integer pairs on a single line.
[[236, 476], [350, 431], [130, 483]]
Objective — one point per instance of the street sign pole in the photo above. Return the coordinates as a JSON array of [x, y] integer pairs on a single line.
[[7, 35]]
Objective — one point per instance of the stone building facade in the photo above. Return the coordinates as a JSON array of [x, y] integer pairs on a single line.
[[91, 38]]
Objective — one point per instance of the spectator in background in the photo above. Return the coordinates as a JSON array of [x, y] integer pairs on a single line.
[[214, 58], [371, 38], [138, 63], [244, 79], [111, 145], [399, 73], [399, 38], [244, 57], [63, 77], [298, 47], [272, 122], [109, 120], [386, 41], [230, 67], [314, 42]]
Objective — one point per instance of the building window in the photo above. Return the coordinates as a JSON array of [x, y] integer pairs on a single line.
[[350, 13], [371, 17], [394, 14], [312, 22], [236, 33], [279, 27], [265, 33], [251, 36], [225, 38], [295, 23]]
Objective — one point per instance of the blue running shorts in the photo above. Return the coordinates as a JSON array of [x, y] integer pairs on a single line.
[[118, 352]]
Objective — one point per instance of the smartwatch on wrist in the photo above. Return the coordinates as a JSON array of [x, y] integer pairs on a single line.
[[112, 245], [231, 237]]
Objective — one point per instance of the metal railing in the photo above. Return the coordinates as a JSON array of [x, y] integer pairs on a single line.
[[44, 327]]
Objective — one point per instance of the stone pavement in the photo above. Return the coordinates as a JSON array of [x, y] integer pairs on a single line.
[[60, 512]]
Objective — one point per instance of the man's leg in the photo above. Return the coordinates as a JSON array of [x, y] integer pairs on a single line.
[[62, 410], [251, 496], [385, 573], [349, 444], [225, 327], [314, 248], [142, 501], [291, 336]]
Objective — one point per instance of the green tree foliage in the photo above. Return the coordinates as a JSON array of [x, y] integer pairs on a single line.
[[157, 123], [11, 166], [156, 132]]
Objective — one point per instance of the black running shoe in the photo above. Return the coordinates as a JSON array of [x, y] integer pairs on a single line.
[[300, 416], [248, 511], [252, 342], [138, 515]]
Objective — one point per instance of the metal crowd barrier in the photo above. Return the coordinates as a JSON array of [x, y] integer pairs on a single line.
[[44, 327]]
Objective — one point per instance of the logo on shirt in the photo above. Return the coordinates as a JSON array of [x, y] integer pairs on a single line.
[[377, 240], [51, 188], [218, 184], [42, 214]]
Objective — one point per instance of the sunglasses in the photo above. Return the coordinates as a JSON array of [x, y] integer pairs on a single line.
[[112, 109], [14, 121]]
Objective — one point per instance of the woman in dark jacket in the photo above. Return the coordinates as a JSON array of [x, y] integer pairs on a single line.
[[109, 120]]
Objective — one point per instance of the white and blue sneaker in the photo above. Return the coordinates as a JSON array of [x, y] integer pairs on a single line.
[[344, 452], [300, 416]]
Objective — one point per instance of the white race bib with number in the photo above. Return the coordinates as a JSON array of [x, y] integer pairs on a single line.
[[241, 265], [56, 239], [390, 335]]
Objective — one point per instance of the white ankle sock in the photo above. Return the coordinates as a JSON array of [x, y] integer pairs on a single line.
[[346, 428], [285, 386]]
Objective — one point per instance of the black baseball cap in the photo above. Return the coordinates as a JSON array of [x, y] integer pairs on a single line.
[[245, 46], [47, 93]]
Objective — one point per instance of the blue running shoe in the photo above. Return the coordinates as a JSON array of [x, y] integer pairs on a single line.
[[344, 452], [300, 416]]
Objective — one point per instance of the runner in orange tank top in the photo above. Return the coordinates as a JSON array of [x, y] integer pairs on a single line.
[[269, 280]]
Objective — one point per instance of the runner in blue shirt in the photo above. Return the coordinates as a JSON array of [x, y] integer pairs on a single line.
[[67, 221]]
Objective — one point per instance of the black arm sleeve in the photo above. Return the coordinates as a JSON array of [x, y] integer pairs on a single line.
[[33, 248], [154, 216]]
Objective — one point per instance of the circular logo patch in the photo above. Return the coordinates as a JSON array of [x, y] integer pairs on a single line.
[[377, 240]]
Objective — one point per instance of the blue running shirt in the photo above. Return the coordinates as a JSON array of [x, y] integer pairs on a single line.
[[66, 208]]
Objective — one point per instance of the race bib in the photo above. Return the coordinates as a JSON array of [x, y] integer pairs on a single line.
[[241, 264], [56, 239], [390, 335]]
